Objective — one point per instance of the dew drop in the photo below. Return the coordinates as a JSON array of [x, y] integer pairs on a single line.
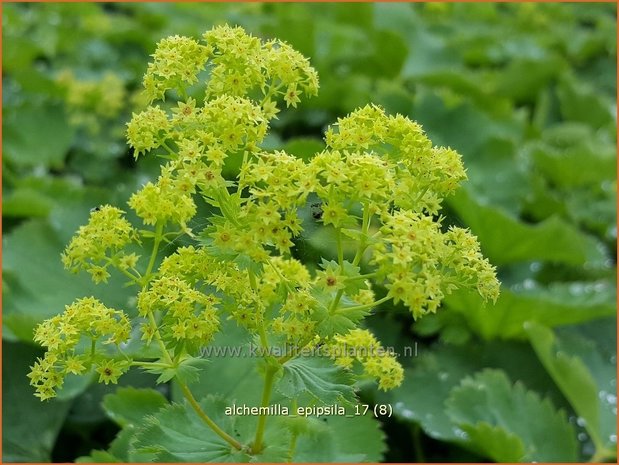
[[461, 433], [576, 289]]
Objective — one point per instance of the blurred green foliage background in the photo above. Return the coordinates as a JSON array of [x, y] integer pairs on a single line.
[[525, 92]]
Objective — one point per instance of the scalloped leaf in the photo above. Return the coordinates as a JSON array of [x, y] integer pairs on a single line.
[[128, 405], [437, 370], [558, 304], [317, 376], [32, 438], [342, 439], [177, 434], [584, 376], [505, 239], [507, 422]]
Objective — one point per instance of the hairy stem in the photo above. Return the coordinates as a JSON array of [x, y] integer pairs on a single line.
[[293, 438], [153, 255], [340, 250], [365, 226], [187, 393], [269, 378], [206, 419], [603, 455], [419, 455], [336, 301], [363, 307]]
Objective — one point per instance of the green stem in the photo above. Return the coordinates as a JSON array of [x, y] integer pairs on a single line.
[[361, 276], [167, 147], [153, 255], [336, 301], [187, 393], [206, 419], [150, 364], [269, 378], [363, 307], [164, 351], [603, 455], [365, 226], [131, 276], [419, 455], [282, 277], [293, 438], [263, 338], [134, 278], [272, 89], [340, 250], [222, 195]]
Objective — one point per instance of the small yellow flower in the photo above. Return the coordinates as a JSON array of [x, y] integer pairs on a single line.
[[109, 371]]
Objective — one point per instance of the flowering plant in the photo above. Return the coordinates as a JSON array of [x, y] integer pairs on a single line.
[[378, 185]]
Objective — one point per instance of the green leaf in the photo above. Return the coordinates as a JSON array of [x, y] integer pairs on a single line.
[[30, 427], [498, 444], [177, 434], [339, 322], [41, 287], [558, 304], [570, 360], [476, 127], [429, 380], [532, 429], [128, 405], [304, 147], [237, 380], [523, 78], [98, 456], [578, 165], [49, 124], [504, 239], [317, 376], [342, 439], [581, 102], [26, 202]]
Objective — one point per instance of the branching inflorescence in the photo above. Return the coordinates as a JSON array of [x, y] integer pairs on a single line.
[[379, 184]]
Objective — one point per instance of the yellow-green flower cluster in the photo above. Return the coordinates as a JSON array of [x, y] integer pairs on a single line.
[[147, 130], [378, 363], [86, 319], [100, 243], [287, 285], [469, 265], [224, 125], [177, 61], [378, 185], [243, 65], [168, 200], [238, 298], [239, 65], [421, 263], [227, 123], [188, 315], [90, 101], [270, 219], [423, 174]]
